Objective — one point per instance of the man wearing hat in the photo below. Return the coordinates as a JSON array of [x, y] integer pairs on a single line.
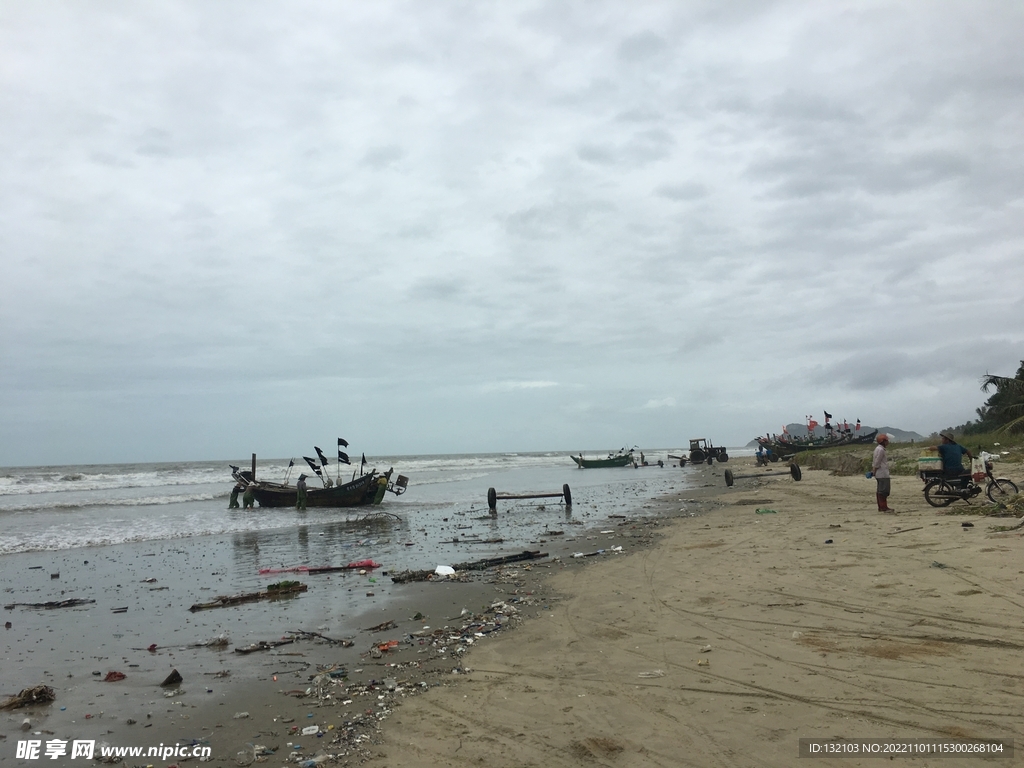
[[952, 453], [880, 471], [300, 496]]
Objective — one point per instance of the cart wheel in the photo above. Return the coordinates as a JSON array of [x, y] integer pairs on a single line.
[[794, 470], [492, 499], [567, 495], [728, 478]]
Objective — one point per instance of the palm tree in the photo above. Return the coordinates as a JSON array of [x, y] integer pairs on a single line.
[[1008, 401]]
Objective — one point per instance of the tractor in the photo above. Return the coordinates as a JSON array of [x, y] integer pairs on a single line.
[[701, 450]]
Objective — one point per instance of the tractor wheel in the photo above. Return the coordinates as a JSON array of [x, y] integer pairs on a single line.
[[696, 457], [723, 456]]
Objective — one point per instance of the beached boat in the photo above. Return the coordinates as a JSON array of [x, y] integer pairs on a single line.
[[368, 488], [784, 448], [617, 460]]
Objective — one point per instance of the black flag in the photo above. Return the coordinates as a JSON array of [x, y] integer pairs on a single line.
[[342, 442], [313, 466], [343, 457], [827, 415], [291, 463], [362, 464], [323, 459]]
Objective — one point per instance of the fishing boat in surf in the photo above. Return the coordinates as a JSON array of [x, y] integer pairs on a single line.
[[621, 459], [368, 488]]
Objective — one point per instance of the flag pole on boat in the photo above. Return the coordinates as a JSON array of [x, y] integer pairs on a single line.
[[288, 474], [315, 468], [323, 462], [342, 456]]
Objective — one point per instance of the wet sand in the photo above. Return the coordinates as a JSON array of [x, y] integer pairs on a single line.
[[142, 591]]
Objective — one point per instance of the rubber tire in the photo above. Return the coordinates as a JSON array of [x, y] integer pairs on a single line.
[[492, 499], [723, 457], [567, 495], [794, 470], [696, 457], [710, 460], [1000, 489], [728, 478], [774, 458], [939, 486]]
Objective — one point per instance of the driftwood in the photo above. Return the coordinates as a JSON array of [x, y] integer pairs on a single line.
[[475, 565], [52, 604], [263, 645], [40, 694], [331, 640], [281, 589]]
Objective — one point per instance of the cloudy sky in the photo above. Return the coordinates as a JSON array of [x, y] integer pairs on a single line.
[[450, 227]]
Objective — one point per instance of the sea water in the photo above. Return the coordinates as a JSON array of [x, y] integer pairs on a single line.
[[64, 507]]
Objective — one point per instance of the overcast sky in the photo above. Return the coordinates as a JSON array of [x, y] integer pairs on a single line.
[[452, 227]]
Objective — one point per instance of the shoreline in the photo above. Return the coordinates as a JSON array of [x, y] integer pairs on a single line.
[[218, 684], [718, 631]]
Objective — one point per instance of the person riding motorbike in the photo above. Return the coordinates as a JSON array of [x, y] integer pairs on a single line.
[[952, 453]]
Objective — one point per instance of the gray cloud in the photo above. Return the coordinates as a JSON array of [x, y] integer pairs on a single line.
[[695, 218]]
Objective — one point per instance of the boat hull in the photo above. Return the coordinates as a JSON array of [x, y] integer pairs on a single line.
[[615, 461], [788, 449], [358, 493]]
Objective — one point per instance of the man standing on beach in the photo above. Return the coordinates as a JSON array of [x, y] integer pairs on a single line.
[[880, 471], [300, 496]]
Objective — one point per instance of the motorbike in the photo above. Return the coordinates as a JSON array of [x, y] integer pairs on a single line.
[[941, 491]]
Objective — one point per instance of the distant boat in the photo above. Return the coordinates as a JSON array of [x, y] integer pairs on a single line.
[[621, 459], [784, 448]]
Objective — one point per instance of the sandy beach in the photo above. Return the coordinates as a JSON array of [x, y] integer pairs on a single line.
[[730, 625], [739, 633]]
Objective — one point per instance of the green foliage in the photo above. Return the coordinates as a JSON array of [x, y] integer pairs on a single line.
[[1003, 411]]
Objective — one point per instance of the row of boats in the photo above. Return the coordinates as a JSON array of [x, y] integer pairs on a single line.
[[370, 487]]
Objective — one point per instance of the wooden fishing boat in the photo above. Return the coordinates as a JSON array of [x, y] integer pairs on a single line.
[[784, 448], [617, 460], [366, 489]]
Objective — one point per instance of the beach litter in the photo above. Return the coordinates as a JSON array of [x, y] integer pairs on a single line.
[[764, 511], [172, 679], [39, 694], [475, 565], [263, 645], [113, 677]]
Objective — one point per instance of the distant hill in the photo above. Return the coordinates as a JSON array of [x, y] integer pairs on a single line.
[[898, 435]]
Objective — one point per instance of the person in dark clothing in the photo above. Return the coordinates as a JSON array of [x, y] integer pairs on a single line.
[[952, 453], [300, 496], [233, 504]]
